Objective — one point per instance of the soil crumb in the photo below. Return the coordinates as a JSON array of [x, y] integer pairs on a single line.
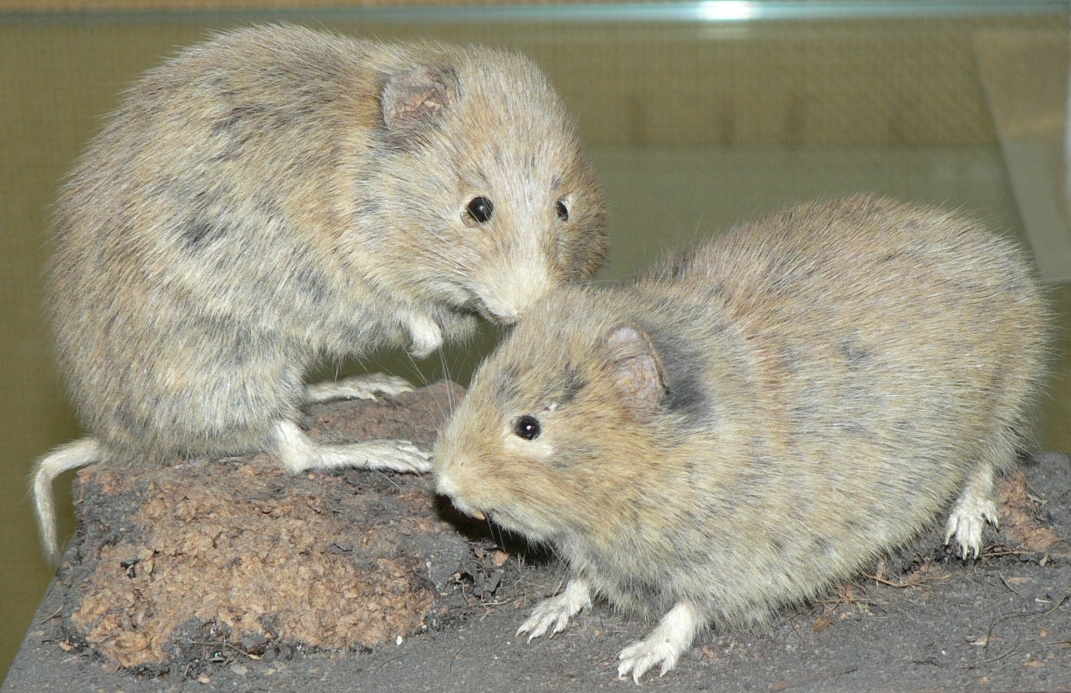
[[193, 562]]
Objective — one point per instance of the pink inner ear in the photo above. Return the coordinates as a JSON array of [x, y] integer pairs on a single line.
[[639, 377], [421, 104], [415, 97], [636, 368]]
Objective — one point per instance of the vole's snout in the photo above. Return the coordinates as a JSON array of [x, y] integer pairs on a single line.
[[471, 512], [504, 315], [445, 486], [513, 289], [501, 312], [509, 318]]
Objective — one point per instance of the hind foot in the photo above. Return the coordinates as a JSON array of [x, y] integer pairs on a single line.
[[663, 646], [972, 510], [299, 453], [365, 386]]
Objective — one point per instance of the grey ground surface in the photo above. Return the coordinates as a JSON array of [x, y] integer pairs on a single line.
[[923, 620]]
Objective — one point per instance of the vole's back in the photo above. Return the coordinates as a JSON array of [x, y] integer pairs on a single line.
[[862, 358], [870, 323]]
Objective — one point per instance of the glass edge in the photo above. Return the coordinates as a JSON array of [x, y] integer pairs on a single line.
[[696, 12]]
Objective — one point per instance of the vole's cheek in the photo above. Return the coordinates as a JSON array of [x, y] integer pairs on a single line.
[[540, 448]]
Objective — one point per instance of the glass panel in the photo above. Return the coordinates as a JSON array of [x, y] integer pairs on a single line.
[[698, 116]]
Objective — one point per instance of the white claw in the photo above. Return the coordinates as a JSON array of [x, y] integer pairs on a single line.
[[557, 610], [966, 522], [664, 646], [969, 514]]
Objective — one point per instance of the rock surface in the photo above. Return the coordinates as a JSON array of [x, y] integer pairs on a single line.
[[235, 575]]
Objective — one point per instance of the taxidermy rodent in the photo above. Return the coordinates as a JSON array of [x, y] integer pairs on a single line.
[[278, 196], [757, 417]]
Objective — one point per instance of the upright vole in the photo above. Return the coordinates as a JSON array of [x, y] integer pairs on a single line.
[[758, 417], [279, 195]]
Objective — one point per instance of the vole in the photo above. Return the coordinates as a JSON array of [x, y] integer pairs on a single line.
[[277, 196], [758, 416]]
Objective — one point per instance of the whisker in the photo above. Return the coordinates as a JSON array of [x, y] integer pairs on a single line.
[[450, 404]]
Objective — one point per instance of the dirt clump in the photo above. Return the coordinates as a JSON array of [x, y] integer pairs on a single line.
[[190, 563]]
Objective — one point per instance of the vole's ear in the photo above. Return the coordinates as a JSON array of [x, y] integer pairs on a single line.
[[635, 366], [415, 98]]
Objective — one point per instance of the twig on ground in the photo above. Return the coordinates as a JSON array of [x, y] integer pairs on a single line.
[[833, 673]]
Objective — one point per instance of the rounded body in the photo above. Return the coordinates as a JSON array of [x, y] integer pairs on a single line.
[[279, 195], [761, 415]]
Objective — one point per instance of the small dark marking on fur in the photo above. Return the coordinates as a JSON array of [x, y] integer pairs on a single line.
[[853, 427], [684, 392], [506, 387], [568, 387], [312, 283], [199, 233], [854, 351], [137, 425]]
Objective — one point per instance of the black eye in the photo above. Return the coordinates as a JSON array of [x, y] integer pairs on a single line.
[[480, 209], [563, 211], [527, 427]]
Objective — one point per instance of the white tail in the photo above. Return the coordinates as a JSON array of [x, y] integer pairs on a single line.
[[70, 456]]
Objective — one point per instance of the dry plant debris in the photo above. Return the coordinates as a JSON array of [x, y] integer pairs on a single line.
[[1019, 521]]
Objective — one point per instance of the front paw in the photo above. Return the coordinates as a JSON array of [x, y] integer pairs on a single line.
[[557, 610], [425, 336]]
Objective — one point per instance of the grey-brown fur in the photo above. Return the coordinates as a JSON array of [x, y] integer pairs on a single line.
[[277, 196], [758, 416]]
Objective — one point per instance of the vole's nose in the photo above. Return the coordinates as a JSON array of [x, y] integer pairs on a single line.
[[513, 288], [499, 314], [445, 486], [508, 316]]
